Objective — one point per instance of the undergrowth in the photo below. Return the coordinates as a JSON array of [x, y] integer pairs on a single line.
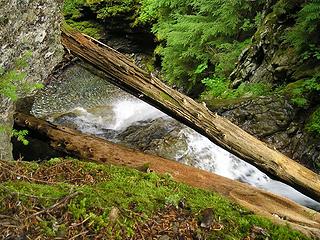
[[219, 88], [68, 198]]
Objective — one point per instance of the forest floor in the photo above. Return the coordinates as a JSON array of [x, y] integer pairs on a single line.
[[72, 199]]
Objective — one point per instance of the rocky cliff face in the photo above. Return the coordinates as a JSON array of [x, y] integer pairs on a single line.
[[270, 58], [31, 26], [277, 122], [275, 119]]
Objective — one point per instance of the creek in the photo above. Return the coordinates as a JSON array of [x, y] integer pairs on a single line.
[[84, 101]]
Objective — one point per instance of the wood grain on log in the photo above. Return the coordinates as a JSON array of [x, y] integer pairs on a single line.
[[276, 208], [219, 130]]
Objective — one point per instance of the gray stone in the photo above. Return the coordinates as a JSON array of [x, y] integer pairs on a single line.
[[277, 122], [33, 26]]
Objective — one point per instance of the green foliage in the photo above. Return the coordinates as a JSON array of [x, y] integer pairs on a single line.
[[72, 8], [305, 32], [314, 123], [313, 52], [219, 88], [125, 8], [90, 28], [8, 86], [102, 9], [12, 83], [12, 80], [89, 16], [147, 192], [20, 135], [302, 91], [200, 33]]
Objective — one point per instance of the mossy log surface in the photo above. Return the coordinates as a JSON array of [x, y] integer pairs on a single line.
[[276, 208], [219, 130]]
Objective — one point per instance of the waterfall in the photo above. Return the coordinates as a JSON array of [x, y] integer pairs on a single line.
[[91, 105]]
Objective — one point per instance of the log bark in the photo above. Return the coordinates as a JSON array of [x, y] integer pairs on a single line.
[[276, 208], [122, 72]]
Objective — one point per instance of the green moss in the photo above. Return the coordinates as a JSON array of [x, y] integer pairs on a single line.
[[301, 92], [72, 8], [313, 124], [167, 97], [147, 192], [90, 28]]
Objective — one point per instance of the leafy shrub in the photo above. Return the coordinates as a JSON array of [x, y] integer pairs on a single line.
[[12, 80], [90, 28], [219, 88], [89, 16], [101, 9], [302, 91], [305, 32], [314, 123], [12, 83], [72, 8]]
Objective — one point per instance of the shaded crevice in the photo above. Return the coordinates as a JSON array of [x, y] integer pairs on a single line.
[[38, 149]]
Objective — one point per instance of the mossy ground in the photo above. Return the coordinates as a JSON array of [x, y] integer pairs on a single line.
[[71, 199]]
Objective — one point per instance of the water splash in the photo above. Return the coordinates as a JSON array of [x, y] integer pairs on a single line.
[[130, 110]]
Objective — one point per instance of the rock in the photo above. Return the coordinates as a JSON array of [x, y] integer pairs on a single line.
[[27, 26], [114, 214], [207, 218], [153, 136], [258, 231], [277, 122]]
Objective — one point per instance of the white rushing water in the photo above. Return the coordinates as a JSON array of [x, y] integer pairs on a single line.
[[128, 111]]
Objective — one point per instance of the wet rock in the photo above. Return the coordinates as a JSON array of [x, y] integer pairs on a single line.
[[269, 58], [67, 120], [277, 122], [157, 136]]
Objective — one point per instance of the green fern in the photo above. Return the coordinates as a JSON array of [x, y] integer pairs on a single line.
[[305, 31], [200, 32], [12, 81]]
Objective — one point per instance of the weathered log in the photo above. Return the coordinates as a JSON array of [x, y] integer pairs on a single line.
[[219, 130], [276, 208]]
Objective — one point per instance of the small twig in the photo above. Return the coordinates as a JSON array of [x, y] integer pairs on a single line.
[[78, 235], [61, 202], [8, 225], [139, 230], [75, 225], [7, 217], [24, 176]]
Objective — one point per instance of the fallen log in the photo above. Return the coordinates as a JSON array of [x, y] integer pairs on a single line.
[[125, 74], [276, 208]]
